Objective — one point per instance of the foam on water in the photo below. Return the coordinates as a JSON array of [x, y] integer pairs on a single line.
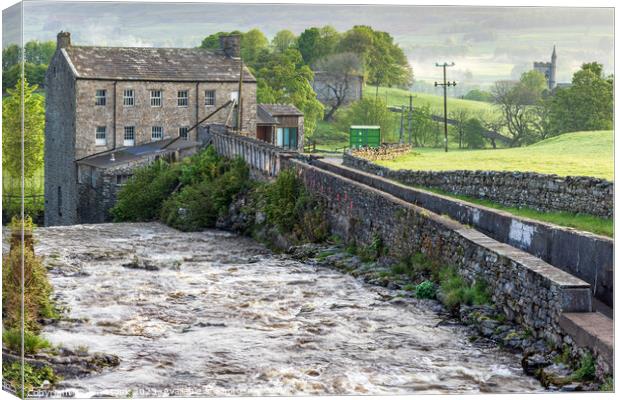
[[224, 316]]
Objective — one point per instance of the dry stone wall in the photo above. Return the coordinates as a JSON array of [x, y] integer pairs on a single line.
[[530, 291], [542, 192]]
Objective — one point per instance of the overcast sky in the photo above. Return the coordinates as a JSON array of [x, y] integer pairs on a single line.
[[485, 42]]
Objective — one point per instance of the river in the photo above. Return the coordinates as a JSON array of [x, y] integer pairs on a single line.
[[215, 314]]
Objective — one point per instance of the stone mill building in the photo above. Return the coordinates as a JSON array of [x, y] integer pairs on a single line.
[[112, 109]]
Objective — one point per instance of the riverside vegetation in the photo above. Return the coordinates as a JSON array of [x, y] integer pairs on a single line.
[[207, 191], [46, 364]]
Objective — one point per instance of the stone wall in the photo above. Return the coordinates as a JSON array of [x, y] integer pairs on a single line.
[[60, 169], [260, 155], [514, 189], [530, 291], [587, 256], [142, 116]]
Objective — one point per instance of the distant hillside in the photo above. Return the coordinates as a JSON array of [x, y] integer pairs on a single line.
[[575, 153], [399, 97]]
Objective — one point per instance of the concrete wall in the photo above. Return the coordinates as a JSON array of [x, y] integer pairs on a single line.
[[529, 290], [60, 122], [515, 189], [585, 255]]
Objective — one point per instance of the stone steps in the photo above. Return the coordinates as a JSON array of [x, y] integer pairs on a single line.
[[592, 330]]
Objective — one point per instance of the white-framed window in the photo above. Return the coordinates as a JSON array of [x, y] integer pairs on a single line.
[[128, 99], [234, 96], [155, 98], [122, 179], [129, 138], [100, 97], [183, 132], [100, 137], [157, 133], [182, 98], [209, 97]]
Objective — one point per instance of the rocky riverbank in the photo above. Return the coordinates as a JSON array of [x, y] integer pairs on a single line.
[[566, 369]]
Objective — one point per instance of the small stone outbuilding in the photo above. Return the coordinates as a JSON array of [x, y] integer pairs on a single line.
[[281, 125]]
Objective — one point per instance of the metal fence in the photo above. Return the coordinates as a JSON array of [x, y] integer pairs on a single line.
[[34, 198]]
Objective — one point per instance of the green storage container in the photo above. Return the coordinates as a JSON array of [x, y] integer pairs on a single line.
[[364, 136]]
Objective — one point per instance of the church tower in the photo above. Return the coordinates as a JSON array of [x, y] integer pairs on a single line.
[[552, 80]]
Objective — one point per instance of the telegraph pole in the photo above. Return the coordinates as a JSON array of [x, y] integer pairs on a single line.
[[445, 85], [410, 116]]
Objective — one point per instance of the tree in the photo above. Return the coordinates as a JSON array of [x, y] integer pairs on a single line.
[[367, 111], [308, 44], [586, 105], [33, 138], [252, 42], [283, 40], [212, 42], [531, 86], [461, 116], [424, 128], [384, 61], [541, 121], [10, 56], [479, 95], [492, 122], [35, 74], [338, 70], [284, 78], [515, 101], [39, 52], [473, 132]]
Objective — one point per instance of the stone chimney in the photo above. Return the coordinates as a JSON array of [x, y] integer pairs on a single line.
[[63, 40], [231, 45]]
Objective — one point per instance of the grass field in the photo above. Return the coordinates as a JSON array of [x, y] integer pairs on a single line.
[[576, 153], [399, 97]]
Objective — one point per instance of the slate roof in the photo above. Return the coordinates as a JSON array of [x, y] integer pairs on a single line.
[[126, 154], [154, 64], [280, 110], [263, 117]]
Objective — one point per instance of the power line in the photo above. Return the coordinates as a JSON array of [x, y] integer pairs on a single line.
[[445, 85]]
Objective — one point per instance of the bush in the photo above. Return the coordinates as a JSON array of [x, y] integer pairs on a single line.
[[33, 376], [12, 339], [291, 209], [142, 197], [198, 205], [425, 290], [472, 133], [586, 370], [373, 251], [38, 290], [456, 291]]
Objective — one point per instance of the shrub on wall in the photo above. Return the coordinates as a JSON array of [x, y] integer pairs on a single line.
[[289, 206], [198, 205], [141, 198]]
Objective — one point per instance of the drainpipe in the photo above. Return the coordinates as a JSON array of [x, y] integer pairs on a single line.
[[114, 119], [196, 112]]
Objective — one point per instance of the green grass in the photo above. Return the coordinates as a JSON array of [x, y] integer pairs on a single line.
[[575, 153], [399, 97], [327, 137], [582, 222]]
